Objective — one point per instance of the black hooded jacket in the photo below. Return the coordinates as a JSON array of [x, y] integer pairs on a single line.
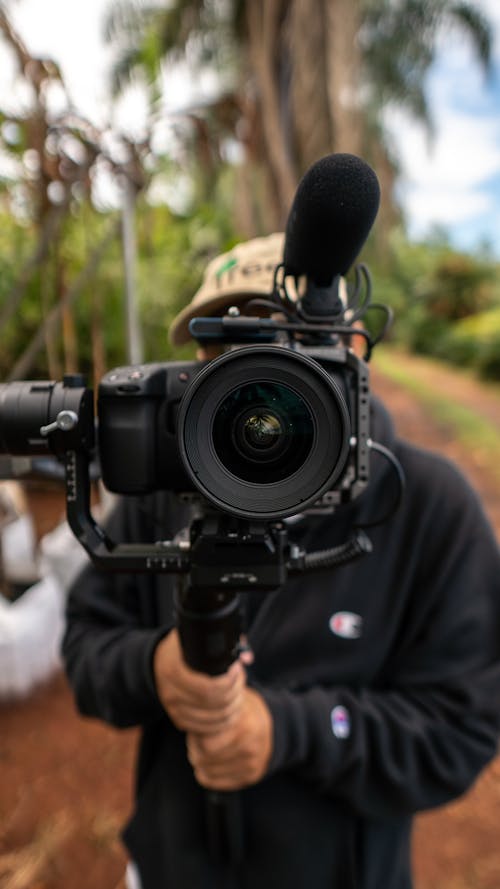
[[382, 677]]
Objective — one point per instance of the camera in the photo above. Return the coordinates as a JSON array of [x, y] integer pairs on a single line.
[[261, 432]]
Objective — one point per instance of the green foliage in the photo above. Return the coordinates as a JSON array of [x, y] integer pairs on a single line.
[[460, 286], [435, 291], [399, 41], [475, 342], [48, 284], [172, 254], [445, 303]]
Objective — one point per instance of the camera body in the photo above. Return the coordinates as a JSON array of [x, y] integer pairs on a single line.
[[138, 409], [262, 432]]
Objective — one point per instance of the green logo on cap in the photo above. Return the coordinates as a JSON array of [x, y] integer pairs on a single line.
[[226, 266]]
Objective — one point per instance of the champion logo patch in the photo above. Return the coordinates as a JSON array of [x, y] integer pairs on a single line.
[[346, 624], [341, 722]]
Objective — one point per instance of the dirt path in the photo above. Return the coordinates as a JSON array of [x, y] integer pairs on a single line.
[[66, 782], [413, 422], [460, 385]]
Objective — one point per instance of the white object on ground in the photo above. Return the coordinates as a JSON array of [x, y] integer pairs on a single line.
[[32, 626]]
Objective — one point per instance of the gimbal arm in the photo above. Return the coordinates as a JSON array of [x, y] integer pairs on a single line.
[[161, 557]]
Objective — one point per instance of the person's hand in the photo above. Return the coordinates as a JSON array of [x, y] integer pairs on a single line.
[[239, 755], [195, 701]]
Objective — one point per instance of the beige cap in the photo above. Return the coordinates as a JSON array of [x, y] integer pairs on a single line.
[[245, 271]]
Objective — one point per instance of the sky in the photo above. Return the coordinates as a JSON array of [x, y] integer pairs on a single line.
[[453, 182]]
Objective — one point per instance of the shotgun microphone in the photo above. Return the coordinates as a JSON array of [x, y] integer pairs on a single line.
[[331, 216]]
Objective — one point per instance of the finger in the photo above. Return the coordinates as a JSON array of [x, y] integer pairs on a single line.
[[222, 759], [204, 722], [206, 695], [201, 727], [224, 781], [211, 689], [215, 746], [244, 768], [218, 708]]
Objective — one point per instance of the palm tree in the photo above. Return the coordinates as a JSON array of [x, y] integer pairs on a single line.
[[305, 77]]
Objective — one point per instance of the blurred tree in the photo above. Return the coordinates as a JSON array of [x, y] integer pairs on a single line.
[[431, 288], [297, 79], [55, 156], [51, 161], [461, 286]]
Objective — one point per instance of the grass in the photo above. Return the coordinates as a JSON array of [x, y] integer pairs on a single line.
[[478, 434]]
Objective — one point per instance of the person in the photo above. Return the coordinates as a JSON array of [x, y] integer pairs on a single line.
[[371, 689]]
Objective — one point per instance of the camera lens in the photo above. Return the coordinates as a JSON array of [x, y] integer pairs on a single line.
[[263, 432]]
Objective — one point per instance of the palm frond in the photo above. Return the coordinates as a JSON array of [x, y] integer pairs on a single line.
[[478, 30]]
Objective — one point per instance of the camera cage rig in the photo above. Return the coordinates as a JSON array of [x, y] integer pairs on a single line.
[[226, 554], [211, 560], [318, 322]]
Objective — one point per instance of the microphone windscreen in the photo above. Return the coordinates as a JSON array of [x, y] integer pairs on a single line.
[[331, 216]]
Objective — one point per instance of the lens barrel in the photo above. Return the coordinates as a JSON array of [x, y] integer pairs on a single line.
[[263, 432], [27, 406]]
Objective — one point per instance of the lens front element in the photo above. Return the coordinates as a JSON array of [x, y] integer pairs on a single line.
[[263, 431]]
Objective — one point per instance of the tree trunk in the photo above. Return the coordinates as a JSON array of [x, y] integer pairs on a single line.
[[129, 252], [98, 346], [47, 236], [389, 213], [309, 100], [69, 335], [25, 362], [263, 23], [50, 333], [343, 64]]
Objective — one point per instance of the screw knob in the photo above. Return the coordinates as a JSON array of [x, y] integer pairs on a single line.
[[65, 421]]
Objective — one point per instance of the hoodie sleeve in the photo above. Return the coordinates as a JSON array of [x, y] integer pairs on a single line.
[[420, 736], [108, 645]]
